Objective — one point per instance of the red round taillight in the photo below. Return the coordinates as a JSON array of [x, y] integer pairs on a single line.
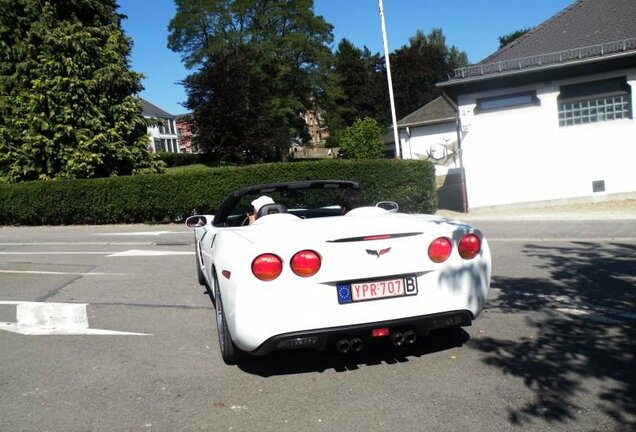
[[267, 267], [305, 263], [469, 246], [439, 249]]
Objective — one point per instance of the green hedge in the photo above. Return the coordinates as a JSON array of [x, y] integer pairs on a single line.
[[183, 159], [166, 198]]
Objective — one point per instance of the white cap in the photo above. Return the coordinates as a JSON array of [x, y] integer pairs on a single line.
[[261, 201]]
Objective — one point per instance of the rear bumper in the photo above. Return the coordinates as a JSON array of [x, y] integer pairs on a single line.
[[320, 339]]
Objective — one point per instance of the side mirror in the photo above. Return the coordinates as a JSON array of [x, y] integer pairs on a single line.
[[196, 221], [389, 206]]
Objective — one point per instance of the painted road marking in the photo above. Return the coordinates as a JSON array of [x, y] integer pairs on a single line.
[[80, 244], [565, 239], [143, 233], [146, 253], [37, 272], [54, 319], [133, 252], [55, 253]]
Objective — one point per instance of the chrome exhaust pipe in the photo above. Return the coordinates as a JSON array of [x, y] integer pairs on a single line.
[[410, 336], [397, 339], [356, 344], [343, 346]]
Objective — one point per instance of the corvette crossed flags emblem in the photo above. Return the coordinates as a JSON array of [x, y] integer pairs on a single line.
[[378, 253]]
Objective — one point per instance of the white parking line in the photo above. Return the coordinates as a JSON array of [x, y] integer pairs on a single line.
[[128, 253], [80, 244], [564, 239], [55, 253], [48, 319], [146, 253], [143, 233], [37, 272]]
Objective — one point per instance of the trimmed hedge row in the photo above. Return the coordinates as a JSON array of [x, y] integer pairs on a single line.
[[183, 159], [160, 198]]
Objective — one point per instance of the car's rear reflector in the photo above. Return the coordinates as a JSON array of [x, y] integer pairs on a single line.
[[439, 250], [267, 267], [380, 332], [305, 263], [469, 246]]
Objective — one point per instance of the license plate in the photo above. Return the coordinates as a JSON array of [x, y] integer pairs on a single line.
[[379, 289]]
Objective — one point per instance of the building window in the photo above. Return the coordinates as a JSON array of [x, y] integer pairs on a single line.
[[160, 145], [594, 102], [508, 101]]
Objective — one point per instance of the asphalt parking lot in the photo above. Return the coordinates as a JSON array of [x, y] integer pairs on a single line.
[[106, 329]]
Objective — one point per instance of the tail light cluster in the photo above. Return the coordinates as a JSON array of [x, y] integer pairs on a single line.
[[267, 267], [440, 249]]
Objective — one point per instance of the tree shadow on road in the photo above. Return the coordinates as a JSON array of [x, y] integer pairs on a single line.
[[296, 362], [585, 342]]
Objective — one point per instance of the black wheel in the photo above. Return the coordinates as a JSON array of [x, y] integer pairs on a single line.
[[229, 352], [200, 275]]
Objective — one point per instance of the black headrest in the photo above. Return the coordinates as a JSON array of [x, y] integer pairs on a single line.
[[269, 209]]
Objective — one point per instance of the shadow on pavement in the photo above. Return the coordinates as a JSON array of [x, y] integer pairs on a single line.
[[296, 362], [586, 338]]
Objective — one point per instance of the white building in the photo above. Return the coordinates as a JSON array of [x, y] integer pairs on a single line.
[[431, 133], [163, 137], [551, 115]]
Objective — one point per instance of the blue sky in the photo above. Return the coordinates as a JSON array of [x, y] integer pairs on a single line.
[[472, 26]]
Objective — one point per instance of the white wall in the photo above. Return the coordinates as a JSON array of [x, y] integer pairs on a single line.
[[522, 154], [172, 143], [418, 142]]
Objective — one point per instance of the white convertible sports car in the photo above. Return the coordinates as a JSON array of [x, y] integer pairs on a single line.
[[305, 275]]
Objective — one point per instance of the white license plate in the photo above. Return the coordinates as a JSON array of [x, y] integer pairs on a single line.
[[372, 290]]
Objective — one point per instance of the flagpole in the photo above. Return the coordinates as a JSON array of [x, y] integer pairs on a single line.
[[387, 62]]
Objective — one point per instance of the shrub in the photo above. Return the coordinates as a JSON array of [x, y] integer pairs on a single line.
[[165, 198], [362, 140]]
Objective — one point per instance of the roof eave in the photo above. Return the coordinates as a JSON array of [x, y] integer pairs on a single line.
[[427, 122], [460, 81]]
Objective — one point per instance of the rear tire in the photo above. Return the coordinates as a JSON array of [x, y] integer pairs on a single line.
[[229, 352]]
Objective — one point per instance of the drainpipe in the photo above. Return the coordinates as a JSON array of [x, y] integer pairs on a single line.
[[458, 128]]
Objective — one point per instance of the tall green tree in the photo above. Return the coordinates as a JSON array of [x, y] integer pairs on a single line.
[[419, 66], [257, 66], [360, 75], [67, 104]]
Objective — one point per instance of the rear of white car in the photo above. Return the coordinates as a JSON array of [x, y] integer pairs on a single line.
[[382, 275]]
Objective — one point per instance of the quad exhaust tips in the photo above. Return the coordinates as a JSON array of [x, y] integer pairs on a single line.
[[345, 345], [356, 344], [399, 339], [410, 336]]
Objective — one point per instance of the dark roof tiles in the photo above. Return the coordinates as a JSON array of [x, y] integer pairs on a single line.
[[436, 111], [150, 110], [582, 24]]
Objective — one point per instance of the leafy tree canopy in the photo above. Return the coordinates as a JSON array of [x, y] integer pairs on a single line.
[[506, 39], [416, 69], [419, 66], [67, 108], [258, 65], [362, 140], [361, 77]]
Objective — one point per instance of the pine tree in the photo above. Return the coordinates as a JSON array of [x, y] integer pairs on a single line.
[[67, 95]]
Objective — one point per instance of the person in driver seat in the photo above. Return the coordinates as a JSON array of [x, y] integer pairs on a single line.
[[350, 199], [256, 206]]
